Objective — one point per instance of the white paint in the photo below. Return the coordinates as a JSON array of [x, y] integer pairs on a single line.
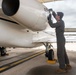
[[0, 3], [12, 35], [31, 14]]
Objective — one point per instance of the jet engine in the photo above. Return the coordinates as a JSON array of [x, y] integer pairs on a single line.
[[29, 13]]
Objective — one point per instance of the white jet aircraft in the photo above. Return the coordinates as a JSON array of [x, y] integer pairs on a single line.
[[23, 23]]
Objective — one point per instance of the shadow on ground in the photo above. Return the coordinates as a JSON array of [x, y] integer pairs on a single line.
[[48, 70]]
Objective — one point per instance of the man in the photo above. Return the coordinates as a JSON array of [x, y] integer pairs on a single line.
[[63, 60]]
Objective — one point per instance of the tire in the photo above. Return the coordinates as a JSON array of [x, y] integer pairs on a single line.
[[0, 53], [51, 54], [3, 51]]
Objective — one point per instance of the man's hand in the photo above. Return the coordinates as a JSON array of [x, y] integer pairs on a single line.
[[49, 17]]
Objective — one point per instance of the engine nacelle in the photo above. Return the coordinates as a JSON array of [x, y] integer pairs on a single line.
[[29, 13]]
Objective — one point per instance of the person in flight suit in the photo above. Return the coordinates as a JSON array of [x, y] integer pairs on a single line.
[[59, 26]]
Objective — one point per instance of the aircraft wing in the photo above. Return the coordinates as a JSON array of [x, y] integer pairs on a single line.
[[49, 36], [43, 37], [44, 1]]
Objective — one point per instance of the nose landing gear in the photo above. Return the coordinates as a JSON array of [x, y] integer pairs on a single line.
[[49, 53]]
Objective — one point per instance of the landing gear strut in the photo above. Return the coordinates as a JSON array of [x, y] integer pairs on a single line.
[[49, 51]]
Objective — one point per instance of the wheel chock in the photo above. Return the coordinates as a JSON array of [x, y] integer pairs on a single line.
[[52, 61]]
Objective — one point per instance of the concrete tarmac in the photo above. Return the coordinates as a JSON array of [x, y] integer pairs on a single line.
[[39, 66]]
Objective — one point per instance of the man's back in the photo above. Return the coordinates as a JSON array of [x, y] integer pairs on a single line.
[[60, 31]]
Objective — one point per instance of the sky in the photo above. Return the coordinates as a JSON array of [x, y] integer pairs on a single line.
[[68, 7]]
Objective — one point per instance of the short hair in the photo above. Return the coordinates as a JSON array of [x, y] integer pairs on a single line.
[[61, 14]]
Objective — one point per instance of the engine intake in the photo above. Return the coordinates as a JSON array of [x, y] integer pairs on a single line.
[[28, 13], [10, 7]]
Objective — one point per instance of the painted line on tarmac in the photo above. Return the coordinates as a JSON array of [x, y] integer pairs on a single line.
[[15, 63]]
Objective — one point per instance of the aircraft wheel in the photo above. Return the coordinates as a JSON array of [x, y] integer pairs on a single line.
[[0, 53], [51, 54], [3, 51]]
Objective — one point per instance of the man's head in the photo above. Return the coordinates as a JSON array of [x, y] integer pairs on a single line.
[[59, 15]]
